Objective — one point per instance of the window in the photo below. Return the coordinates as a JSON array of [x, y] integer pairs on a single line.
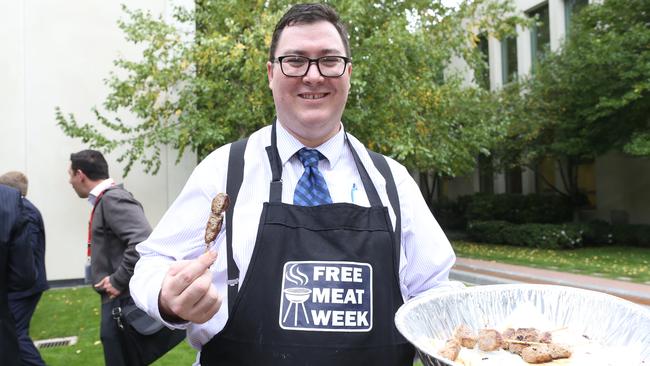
[[509, 59], [482, 75], [571, 8], [485, 174], [540, 34]]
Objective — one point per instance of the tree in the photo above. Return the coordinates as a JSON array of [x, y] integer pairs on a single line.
[[205, 89], [590, 97]]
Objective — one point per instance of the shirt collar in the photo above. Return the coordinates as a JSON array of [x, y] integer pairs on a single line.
[[289, 145], [101, 187]]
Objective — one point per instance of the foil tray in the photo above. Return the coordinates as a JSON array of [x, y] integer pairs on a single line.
[[607, 319]]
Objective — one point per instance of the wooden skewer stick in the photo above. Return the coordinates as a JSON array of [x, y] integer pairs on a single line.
[[524, 342]]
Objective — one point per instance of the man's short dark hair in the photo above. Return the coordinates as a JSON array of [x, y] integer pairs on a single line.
[[309, 14], [91, 162]]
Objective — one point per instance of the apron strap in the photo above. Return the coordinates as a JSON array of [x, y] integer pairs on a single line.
[[275, 191], [371, 191], [233, 183], [382, 165]]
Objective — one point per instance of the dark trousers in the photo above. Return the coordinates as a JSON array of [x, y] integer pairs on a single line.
[[22, 311], [112, 338]]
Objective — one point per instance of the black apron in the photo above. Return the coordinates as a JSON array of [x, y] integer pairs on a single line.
[[322, 287]]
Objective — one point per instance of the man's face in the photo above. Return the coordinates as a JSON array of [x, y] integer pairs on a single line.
[[77, 179], [309, 107]]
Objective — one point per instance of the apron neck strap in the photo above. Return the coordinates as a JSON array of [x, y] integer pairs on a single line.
[[275, 194]]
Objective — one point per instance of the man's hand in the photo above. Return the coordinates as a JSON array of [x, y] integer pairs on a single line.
[[187, 291], [106, 286]]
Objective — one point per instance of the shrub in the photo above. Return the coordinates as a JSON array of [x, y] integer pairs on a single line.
[[519, 209], [487, 231], [450, 214], [600, 232], [550, 236]]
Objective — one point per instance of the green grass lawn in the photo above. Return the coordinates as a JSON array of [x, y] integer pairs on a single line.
[[617, 262], [75, 312]]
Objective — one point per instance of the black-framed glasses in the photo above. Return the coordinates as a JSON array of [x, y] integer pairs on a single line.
[[298, 66]]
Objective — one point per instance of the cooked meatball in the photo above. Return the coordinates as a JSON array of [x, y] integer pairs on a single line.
[[525, 335], [489, 340], [450, 350], [464, 335], [537, 354], [546, 337], [509, 333], [558, 351]]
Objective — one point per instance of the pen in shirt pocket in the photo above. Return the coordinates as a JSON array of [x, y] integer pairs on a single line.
[[353, 191]]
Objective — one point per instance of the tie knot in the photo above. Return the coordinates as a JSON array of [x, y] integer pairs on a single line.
[[309, 157]]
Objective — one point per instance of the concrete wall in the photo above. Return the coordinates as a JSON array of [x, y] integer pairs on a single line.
[[56, 53]]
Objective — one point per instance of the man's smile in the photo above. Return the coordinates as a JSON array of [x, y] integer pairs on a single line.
[[312, 95]]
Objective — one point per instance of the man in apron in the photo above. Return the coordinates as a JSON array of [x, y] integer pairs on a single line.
[[322, 241]]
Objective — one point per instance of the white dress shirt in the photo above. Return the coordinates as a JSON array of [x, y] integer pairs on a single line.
[[98, 189], [426, 255]]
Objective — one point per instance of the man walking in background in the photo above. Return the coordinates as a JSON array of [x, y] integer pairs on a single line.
[[16, 268], [117, 224], [23, 303]]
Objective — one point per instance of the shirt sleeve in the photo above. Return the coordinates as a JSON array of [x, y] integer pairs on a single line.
[[427, 256], [179, 235]]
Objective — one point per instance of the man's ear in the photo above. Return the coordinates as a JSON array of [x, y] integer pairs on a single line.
[[269, 71], [81, 174]]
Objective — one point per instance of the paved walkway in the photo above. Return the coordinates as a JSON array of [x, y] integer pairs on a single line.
[[486, 272]]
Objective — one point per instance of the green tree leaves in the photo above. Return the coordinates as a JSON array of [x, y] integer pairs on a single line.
[[202, 89], [593, 95]]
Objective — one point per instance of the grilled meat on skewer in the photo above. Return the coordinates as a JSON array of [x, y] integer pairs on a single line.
[[218, 208]]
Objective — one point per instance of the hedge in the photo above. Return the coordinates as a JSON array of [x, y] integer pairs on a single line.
[[548, 236], [514, 208], [603, 233], [519, 209]]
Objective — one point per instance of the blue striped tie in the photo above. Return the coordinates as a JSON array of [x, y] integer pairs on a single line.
[[311, 189]]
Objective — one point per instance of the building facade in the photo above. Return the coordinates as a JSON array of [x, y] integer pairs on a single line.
[[57, 53], [616, 185]]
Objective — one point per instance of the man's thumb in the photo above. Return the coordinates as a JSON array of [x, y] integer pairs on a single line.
[[208, 258]]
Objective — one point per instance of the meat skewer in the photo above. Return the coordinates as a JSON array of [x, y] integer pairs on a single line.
[[218, 208], [533, 345]]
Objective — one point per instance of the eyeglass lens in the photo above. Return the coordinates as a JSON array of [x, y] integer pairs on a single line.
[[328, 66]]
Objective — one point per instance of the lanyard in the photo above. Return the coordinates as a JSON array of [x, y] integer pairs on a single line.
[[90, 223]]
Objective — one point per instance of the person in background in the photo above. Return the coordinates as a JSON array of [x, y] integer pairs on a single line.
[[16, 268], [23, 303], [324, 241], [117, 224]]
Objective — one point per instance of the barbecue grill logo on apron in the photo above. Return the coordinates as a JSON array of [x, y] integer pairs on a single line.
[[326, 296]]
